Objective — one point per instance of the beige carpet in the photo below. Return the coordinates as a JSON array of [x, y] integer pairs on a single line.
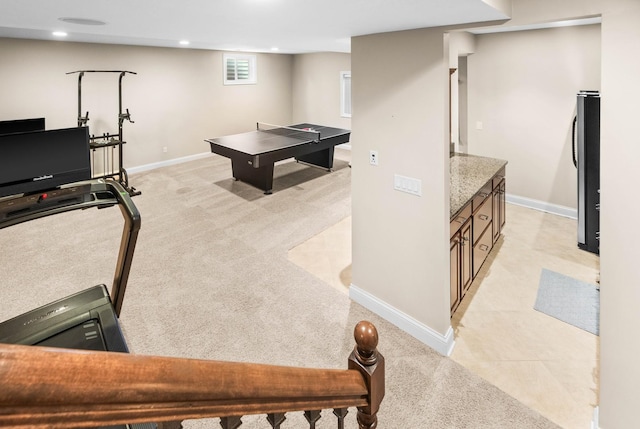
[[211, 280]]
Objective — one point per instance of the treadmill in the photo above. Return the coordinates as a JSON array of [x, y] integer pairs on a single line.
[[86, 320]]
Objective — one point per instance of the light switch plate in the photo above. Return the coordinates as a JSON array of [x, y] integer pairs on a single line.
[[406, 184]]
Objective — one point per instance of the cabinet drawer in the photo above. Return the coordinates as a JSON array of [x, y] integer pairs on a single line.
[[459, 220], [481, 250], [482, 219], [481, 196]]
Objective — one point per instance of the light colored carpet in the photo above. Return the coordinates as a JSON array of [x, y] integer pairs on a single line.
[[211, 280], [570, 300]]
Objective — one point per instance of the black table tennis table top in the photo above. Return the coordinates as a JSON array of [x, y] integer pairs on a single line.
[[260, 141]]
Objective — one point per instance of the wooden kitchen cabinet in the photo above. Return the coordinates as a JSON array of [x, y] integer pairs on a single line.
[[473, 231]]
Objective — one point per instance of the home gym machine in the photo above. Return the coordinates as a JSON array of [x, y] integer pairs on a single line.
[[106, 144], [88, 319]]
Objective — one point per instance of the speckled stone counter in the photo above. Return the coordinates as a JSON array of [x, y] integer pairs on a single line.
[[469, 173]]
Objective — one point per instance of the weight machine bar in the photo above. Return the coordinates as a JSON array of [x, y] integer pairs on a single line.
[[80, 99], [123, 179], [101, 71], [81, 120]]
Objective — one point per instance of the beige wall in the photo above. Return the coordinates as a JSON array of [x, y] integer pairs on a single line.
[[177, 99], [316, 88], [522, 88], [620, 175], [400, 105]]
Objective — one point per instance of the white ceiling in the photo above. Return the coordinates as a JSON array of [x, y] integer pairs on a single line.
[[292, 26]]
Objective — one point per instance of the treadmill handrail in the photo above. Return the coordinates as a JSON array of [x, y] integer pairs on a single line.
[[104, 193], [132, 222]]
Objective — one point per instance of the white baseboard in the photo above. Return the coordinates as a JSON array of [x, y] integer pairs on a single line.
[[542, 206], [154, 165], [443, 344], [168, 162], [595, 424]]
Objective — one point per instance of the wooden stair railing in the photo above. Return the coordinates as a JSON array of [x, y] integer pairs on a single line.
[[51, 387]]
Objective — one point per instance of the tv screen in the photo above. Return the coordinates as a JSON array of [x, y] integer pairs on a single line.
[[21, 125], [40, 160]]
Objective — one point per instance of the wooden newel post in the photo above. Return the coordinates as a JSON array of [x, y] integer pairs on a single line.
[[366, 359]]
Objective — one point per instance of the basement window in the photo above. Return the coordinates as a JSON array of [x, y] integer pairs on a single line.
[[239, 69]]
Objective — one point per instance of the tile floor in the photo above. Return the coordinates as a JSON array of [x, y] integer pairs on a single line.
[[546, 364]]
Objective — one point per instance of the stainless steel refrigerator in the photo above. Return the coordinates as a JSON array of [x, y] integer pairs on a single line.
[[586, 158]]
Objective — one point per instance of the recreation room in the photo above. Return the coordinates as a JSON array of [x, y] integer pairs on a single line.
[[449, 124]]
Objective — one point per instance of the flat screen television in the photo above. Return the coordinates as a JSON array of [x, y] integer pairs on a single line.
[[41, 160], [21, 125]]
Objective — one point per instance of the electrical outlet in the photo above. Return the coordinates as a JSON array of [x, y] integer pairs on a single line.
[[373, 157], [165, 150]]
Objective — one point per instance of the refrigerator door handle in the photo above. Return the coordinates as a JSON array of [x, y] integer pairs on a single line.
[[573, 141]]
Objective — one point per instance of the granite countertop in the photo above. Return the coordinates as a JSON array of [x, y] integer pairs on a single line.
[[469, 173]]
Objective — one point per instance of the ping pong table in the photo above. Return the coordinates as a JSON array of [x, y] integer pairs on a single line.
[[253, 154]]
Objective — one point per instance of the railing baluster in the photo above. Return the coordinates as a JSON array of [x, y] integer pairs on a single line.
[[232, 422], [312, 418], [276, 419], [340, 413]]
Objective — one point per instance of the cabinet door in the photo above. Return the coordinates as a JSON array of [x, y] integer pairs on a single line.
[[496, 214], [503, 205], [454, 262], [466, 253]]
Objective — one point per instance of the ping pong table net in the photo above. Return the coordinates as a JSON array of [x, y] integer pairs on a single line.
[[307, 134]]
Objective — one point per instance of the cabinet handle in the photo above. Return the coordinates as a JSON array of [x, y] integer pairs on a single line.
[[483, 195], [483, 247], [464, 219], [483, 217], [463, 240]]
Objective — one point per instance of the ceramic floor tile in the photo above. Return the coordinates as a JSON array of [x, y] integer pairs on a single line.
[[327, 255]]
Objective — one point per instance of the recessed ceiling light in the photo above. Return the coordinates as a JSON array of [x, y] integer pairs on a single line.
[[82, 21], [184, 42], [59, 34]]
